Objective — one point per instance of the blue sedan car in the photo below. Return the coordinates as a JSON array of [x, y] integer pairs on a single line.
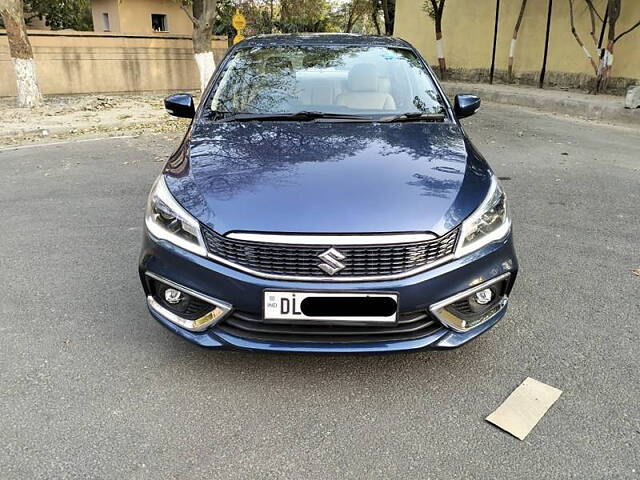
[[326, 199]]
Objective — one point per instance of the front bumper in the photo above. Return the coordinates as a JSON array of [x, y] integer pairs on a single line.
[[244, 293]]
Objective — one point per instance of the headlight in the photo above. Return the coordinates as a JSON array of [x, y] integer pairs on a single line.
[[487, 224], [167, 220]]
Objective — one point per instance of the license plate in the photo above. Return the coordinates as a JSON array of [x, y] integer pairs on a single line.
[[370, 307]]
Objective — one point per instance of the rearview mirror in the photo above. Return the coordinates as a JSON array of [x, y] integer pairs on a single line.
[[466, 105], [180, 105]]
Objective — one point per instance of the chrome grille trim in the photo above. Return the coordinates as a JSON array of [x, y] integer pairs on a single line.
[[300, 258], [332, 240]]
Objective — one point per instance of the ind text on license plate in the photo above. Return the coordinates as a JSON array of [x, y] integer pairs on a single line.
[[336, 307]]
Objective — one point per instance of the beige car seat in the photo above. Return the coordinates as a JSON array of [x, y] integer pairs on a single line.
[[363, 91]]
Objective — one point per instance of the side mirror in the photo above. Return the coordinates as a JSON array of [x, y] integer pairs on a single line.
[[180, 105], [466, 105]]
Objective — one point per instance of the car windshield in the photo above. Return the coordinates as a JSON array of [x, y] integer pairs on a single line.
[[333, 80]]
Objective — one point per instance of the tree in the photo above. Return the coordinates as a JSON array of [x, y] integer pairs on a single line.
[[21, 53], [304, 16], [259, 15], [614, 8], [358, 16], [389, 15], [375, 15], [603, 68], [352, 12], [576, 35], [202, 14], [434, 9], [388, 10], [514, 40], [73, 14]]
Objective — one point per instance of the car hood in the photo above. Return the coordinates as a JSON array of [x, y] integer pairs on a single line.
[[333, 177]]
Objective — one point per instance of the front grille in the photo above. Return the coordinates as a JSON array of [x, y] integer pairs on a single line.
[[410, 326], [302, 260]]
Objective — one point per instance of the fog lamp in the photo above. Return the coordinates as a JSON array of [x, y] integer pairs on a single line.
[[173, 296], [484, 296]]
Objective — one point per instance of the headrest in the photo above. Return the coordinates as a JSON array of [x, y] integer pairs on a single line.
[[363, 77], [277, 64], [384, 85]]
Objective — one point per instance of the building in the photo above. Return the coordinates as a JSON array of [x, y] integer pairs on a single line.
[[137, 46], [140, 17]]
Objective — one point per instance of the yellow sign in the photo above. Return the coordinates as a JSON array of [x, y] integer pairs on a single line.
[[239, 22]]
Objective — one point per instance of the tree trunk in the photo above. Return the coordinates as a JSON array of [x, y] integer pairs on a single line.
[[271, 16], [440, 48], [606, 59], [512, 48], [204, 13], [203, 53], [579, 40], [374, 17], [21, 54], [603, 71], [387, 6], [604, 67], [592, 17], [351, 19], [437, 7]]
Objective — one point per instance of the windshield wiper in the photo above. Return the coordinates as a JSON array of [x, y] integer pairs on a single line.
[[301, 116], [216, 114], [415, 117]]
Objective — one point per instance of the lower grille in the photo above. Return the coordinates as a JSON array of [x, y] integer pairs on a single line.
[[410, 326]]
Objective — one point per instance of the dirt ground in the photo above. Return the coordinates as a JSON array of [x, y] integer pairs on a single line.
[[71, 115]]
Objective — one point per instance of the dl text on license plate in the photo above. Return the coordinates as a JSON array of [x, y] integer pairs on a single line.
[[323, 306]]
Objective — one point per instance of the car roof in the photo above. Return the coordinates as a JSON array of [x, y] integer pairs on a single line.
[[323, 40]]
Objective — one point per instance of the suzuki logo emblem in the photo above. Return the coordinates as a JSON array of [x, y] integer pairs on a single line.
[[332, 263]]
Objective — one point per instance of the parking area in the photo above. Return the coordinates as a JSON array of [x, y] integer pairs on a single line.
[[92, 387]]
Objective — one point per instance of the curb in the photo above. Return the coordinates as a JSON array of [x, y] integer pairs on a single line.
[[603, 108], [52, 131]]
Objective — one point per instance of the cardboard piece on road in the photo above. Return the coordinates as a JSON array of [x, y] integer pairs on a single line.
[[524, 408]]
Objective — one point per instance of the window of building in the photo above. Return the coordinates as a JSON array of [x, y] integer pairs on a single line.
[[159, 22], [105, 22]]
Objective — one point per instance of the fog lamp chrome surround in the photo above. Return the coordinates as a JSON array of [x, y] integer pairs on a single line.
[[221, 309], [460, 324]]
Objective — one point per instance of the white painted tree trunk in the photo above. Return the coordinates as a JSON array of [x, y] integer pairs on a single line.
[[442, 63], [21, 53], [206, 67], [26, 82], [512, 52]]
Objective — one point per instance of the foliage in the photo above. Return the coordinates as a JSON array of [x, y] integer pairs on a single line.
[[260, 15], [434, 9], [352, 16], [295, 16], [427, 6], [304, 16], [61, 14]]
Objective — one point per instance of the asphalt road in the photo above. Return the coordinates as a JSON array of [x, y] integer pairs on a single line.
[[92, 387]]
